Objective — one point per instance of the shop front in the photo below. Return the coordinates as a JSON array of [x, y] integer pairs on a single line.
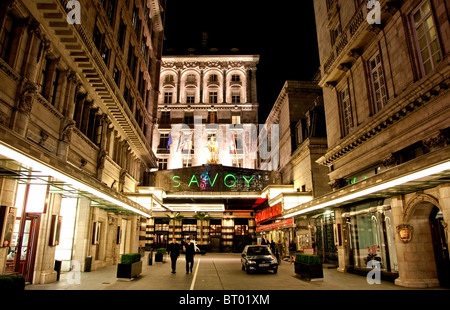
[[370, 235]]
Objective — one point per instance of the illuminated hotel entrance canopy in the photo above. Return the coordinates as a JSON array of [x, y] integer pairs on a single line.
[[211, 179], [64, 180]]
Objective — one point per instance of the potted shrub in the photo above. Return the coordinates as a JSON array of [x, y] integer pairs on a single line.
[[308, 266], [130, 266], [12, 282], [159, 255]]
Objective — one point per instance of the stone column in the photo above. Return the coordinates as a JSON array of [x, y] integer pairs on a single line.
[[61, 86], [83, 224], [343, 256], [444, 203], [35, 52], [201, 86], [23, 110], [224, 86], [68, 100], [85, 116], [178, 87], [416, 265], [51, 72]]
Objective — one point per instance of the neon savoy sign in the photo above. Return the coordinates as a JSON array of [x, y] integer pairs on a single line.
[[229, 180]]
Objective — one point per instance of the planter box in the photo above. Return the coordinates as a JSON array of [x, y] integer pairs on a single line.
[[159, 257], [129, 271], [308, 271], [12, 282]]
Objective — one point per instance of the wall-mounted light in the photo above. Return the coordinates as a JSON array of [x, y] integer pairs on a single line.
[[405, 232]]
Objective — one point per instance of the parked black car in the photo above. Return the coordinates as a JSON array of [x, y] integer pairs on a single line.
[[258, 258]]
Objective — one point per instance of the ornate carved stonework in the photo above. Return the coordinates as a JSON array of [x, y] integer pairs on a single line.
[[418, 198], [101, 159], [337, 184], [390, 161], [438, 141], [66, 134], [26, 98]]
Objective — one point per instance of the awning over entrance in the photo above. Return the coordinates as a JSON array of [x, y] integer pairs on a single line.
[[395, 181], [64, 179]]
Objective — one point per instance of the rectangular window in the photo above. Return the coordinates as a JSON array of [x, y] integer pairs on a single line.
[[238, 162], [44, 70], [167, 97], [213, 97], [212, 117], [334, 33], [162, 163], [187, 162], [165, 117], [116, 76], [189, 118], [122, 34], [235, 119], [378, 82], [426, 38], [190, 97], [163, 140], [235, 97], [5, 38], [346, 111]]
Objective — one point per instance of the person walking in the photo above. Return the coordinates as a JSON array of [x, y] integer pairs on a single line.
[[190, 253], [292, 250], [174, 252]]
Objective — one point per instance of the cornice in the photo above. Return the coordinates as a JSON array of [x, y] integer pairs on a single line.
[[414, 98]]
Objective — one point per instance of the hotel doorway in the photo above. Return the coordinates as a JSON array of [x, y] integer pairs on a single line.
[[22, 251], [440, 245]]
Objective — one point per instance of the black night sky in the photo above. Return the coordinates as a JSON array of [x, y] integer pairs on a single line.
[[283, 34]]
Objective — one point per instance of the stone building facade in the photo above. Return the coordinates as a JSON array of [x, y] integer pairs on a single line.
[[202, 97], [206, 135], [77, 111], [385, 78], [299, 115]]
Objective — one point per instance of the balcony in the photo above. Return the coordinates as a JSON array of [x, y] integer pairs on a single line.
[[352, 40]]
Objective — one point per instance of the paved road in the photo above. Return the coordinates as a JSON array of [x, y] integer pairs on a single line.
[[213, 271], [217, 282]]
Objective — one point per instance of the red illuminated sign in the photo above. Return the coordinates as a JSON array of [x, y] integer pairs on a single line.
[[284, 223], [268, 213]]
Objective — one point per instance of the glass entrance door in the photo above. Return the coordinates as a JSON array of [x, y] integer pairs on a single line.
[[21, 254]]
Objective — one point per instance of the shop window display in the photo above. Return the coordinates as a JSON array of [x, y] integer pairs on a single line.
[[371, 237], [325, 244]]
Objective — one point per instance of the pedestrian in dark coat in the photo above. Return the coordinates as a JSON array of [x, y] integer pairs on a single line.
[[189, 253], [174, 252]]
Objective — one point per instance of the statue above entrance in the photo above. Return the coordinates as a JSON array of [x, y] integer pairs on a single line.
[[213, 148]]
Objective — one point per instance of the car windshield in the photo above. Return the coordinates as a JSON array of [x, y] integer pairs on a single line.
[[258, 251]]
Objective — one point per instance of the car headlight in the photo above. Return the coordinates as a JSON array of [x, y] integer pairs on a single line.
[[251, 262]]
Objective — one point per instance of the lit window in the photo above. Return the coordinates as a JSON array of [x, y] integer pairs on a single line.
[[346, 111], [190, 97], [235, 119], [426, 37], [235, 78], [378, 82], [168, 97], [236, 97], [212, 97]]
